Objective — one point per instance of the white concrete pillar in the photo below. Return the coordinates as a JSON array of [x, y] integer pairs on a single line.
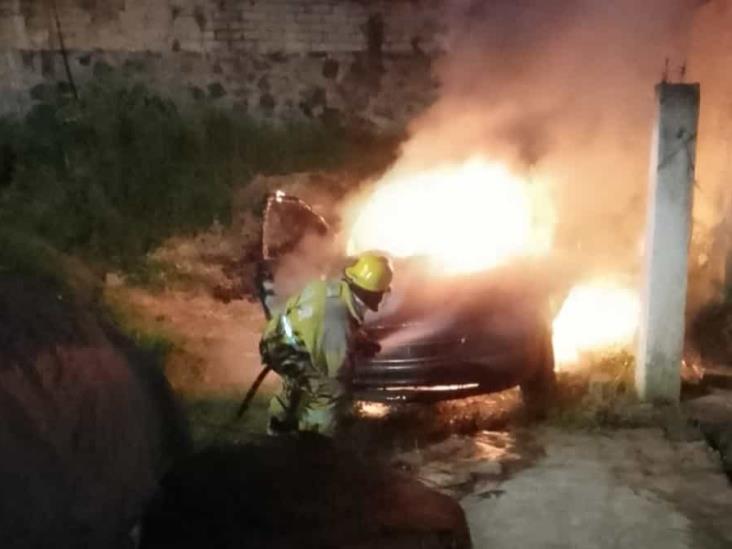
[[673, 157]]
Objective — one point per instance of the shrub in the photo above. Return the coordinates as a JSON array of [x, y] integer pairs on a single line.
[[111, 175]]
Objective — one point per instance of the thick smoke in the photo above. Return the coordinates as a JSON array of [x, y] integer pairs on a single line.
[[563, 92]]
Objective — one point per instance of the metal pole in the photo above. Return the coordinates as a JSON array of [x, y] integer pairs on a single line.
[[64, 53]]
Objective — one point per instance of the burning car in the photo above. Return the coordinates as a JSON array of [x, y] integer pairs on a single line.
[[442, 335], [454, 337]]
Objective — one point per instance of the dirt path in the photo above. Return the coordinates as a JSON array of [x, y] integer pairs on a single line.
[[217, 341]]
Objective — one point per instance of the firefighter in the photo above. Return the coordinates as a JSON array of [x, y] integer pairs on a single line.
[[310, 342]]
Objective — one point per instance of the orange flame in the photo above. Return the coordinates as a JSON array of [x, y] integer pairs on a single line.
[[476, 215], [464, 218], [595, 317]]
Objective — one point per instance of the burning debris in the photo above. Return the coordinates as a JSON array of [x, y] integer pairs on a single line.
[[371, 410]]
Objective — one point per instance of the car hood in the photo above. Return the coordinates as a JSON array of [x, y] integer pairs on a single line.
[[472, 313]]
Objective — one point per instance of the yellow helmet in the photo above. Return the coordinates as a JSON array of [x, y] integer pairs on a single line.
[[371, 272]]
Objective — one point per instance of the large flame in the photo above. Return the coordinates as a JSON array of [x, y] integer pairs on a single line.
[[476, 215], [465, 218], [595, 317]]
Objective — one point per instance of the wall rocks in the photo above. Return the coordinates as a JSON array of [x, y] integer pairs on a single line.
[[340, 61]]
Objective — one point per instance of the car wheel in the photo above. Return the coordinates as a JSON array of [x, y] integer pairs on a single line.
[[539, 390]]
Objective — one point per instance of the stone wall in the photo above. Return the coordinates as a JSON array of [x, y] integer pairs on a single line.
[[364, 61]]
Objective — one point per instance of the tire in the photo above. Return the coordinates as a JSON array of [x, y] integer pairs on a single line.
[[539, 390]]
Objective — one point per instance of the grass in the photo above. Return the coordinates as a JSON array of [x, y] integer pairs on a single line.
[[112, 175], [30, 256], [156, 274], [601, 394], [213, 419], [145, 334], [21, 254]]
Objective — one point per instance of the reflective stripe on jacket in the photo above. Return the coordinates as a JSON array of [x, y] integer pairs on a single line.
[[321, 318]]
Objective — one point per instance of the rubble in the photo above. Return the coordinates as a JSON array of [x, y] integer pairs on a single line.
[[461, 464]]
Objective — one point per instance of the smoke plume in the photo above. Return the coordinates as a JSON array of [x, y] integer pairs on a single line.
[[563, 92]]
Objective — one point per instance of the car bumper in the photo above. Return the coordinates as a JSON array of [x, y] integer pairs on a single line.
[[439, 378]]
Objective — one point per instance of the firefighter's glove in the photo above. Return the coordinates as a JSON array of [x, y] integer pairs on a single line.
[[366, 347], [283, 359]]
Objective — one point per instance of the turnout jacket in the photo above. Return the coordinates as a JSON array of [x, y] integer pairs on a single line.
[[321, 320]]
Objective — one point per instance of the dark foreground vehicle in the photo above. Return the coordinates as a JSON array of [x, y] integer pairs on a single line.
[[441, 337]]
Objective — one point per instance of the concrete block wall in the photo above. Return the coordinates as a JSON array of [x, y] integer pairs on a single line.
[[363, 60]]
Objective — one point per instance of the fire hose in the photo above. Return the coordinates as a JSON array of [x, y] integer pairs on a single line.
[[243, 407], [266, 357], [252, 392], [365, 347]]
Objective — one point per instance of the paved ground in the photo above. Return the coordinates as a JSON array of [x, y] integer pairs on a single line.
[[625, 488]]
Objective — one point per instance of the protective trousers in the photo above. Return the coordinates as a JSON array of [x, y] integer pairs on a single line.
[[308, 401]]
